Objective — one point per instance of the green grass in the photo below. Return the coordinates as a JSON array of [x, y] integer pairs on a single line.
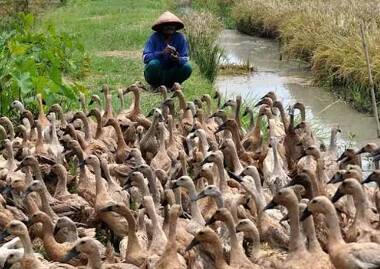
[[105, 26]]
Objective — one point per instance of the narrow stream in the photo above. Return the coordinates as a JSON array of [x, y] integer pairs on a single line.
[[292, 83]]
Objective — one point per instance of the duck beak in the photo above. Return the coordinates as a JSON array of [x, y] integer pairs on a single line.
[[376, 158], [369, 179], [70, 255], [206, 160], [284, 218], [21, 165], [4, 235], [210, 221], [338, 194], [305, 214], [272, 204], [224, 106], [6, 190], [220, 128], [175, 185], [82, 164], [106, 209], [344, 155], [192, 244], [199, 196], [260, 102], [235, 177], [362, 150], [56, 230], [338, 177]]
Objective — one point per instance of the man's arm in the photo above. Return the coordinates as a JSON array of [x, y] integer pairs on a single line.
[[149, 50]]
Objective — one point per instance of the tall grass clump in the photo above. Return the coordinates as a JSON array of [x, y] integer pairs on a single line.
[[202, 30], [324, 33]]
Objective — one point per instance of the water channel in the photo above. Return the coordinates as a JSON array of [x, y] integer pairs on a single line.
[[292, 82]]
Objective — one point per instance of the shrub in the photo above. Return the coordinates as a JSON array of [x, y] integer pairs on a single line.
[[202, 30], [39, 62]]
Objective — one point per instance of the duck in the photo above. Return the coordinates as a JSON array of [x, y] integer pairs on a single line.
[[342, 255], [89, 247]]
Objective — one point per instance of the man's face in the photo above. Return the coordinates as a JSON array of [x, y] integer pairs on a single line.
[[168, 29]]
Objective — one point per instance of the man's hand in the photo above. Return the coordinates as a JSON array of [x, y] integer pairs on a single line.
[[167, 50], [174, 56]]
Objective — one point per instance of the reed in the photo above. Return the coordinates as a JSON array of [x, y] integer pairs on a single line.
[[202, 30], [321, 34]]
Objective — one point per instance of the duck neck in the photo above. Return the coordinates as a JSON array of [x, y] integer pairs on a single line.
[[237, 111], [54, 136], [236, 139], [86, 128], [276, 161], [40, 138], [38, 176], [121, 98], [253, 237], [251, 119], [100, 188], [94, 259], [296, 240], [195, 212], [48, 235], [219, 200], [284, 119], [10, 159], [61, 117], [333, 229], [120, 139], [61, 189], [45, 202], [235, 161], [133, 242], [27, 244], [236, 252], [99, 123], [222, 176], [136, 101], [361, 204], [309, 230], [171, 245], [112, 184], [170, 126], [333, 140], [153, 187], [108, 114], [182, 101]]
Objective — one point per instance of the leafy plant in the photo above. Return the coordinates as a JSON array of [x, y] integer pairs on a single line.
[[34, 62]]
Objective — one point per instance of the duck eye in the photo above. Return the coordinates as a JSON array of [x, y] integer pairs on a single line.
[[82, 243], [11, 255], [313, 202]]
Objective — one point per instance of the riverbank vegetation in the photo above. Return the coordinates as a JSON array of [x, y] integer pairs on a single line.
[[320, 33]]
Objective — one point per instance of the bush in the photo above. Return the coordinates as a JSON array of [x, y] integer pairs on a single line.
[[39, 62], [202, 30]]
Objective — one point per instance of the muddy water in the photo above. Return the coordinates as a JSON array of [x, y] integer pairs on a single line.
[[292, 82]]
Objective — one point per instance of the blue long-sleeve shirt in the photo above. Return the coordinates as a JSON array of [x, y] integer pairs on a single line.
[[156, 44]]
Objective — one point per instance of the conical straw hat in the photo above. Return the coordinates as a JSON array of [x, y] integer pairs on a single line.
[[167, 17]]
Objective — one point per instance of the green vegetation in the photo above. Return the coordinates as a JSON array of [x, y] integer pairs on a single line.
[[219, 8], [320, 33], [114, 33], [202, 29], [39, 62]]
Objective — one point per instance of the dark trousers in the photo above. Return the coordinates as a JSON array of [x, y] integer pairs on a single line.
[[156, 75]]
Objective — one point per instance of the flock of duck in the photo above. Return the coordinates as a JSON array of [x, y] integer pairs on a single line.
[[184, 187]]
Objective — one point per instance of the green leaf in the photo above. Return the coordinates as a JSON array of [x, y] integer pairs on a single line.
[[24, 82]]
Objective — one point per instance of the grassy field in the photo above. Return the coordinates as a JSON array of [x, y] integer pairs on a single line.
[[324, 33], [114, 33]]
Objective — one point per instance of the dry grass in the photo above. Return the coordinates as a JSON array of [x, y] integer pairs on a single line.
[[323, 32]]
